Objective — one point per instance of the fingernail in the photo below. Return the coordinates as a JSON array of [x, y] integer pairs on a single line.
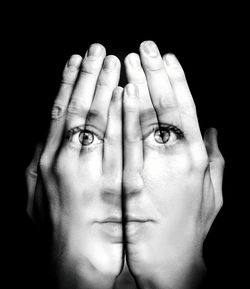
[[109, 63], [117, 93], [150, 48], [95, 50], [131, 89], [134, 61], [74, 60], [170, 58]]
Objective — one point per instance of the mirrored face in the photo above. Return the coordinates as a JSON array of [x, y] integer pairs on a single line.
[[156, 210], [95, 207]]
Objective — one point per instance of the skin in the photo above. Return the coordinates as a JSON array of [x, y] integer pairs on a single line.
[[172, 191], [82, 183]]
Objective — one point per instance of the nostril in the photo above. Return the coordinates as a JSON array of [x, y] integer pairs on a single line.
[[112, 189], [112, 197], [132, 184]]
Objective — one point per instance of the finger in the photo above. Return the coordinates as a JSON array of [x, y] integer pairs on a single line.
[[60, 105], [216, 163], [83, 93], [133, 146], [186, 105], [159, 86], [31, 177], [112, 160], [106, 83], [136, 75]]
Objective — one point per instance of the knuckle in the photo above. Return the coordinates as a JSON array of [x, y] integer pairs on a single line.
[[75, 108], [89, 67], [30, 172], [57, 111], [103, 82], [154, 66], [69, 76], [44, 163], [167, 101]]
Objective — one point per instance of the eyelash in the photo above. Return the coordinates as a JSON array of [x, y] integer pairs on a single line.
[[163, 127], [82, 129], [167, 128]]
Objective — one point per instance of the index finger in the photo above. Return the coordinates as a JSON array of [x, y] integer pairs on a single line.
[[185, 102], [58, 114]]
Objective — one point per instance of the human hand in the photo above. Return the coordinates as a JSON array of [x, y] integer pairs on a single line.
[[172, 178], [80, 173]]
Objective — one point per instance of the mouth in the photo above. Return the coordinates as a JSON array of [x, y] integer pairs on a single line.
[[137, 219], [127, 219], [110, 220], [111, 229], [135, 225]]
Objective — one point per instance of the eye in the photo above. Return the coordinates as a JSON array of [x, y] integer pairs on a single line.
[[86, 138], [164, 136]]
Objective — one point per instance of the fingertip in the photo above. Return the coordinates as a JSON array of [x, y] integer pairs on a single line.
[[149, 48], [96, 49], [211, 135], [132, 59], [170, 59], [74, 60], [110, 62], [117, 94], [131, 89], [210, 141]]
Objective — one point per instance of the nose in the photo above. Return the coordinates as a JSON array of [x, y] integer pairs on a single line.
[[132, 184], [112, 189]]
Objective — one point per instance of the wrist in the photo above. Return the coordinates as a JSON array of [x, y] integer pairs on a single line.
[[189, 275], [69, 271]]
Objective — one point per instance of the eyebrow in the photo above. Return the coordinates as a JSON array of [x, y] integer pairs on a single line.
[[93, 114], [148, 114], [94, 117]]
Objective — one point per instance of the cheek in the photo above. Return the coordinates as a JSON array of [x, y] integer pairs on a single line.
[[167, 182], [89, 177], [90, 167]]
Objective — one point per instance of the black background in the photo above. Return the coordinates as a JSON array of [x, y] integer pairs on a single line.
[[207, 40]]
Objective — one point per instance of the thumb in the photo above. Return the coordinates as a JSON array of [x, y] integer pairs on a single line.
[[216, 163]]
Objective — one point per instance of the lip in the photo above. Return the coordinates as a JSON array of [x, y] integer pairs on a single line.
[[139, 219], [111, 229], [111, 220], [137, 228]]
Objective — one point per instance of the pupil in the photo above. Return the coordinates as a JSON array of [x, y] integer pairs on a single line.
[[162, 136], [86, 138]]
